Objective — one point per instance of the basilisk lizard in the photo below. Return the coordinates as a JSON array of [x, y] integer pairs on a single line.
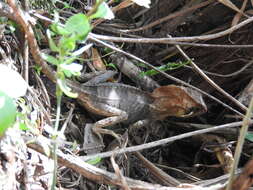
[[123, 103]]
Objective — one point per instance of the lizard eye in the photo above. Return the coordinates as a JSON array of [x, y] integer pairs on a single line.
[[191, 111]]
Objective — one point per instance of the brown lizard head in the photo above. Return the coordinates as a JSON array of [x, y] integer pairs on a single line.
[[177, 101]]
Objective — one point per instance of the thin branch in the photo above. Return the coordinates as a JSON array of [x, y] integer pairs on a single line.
[[210, 81], [102, 176], [226, 75], [231, 46], [34, 48], [173, 39], [163, 141], [170, 16], [41, 17], [240, 142]]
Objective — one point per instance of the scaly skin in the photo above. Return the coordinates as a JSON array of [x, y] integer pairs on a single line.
[[131, 100], [124, 103]]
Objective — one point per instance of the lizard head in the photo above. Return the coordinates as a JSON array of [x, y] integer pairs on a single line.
[[177, 101]]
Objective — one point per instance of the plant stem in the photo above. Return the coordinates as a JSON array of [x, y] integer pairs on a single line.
[[55, 135], [94, 8], [239, 146]]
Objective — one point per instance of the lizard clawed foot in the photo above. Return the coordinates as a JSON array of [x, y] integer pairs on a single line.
[[137, 125], [92, 144], [98, 131]]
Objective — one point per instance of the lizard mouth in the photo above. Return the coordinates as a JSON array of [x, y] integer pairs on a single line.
[[193, 112]]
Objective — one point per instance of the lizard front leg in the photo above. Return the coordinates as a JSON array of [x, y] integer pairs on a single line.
[[117, 116]]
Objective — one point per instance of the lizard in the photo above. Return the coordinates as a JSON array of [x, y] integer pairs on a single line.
[[98, 97], [124, 103]]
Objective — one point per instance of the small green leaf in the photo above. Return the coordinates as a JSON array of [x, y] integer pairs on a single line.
[[167, 67], [103, 12], [94, 161], [249, 136], [78, 25], [7, 112], [38, 69], [66, 5], [67, 44], [52, 45], [69, 60], [23, 127], [71, 69], [107, 50], [111, 65], [142, 65], [50, 59], [66, 90], [58, 29]]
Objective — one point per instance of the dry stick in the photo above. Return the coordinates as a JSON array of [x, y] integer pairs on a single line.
[[174, 39], [157, 172], [210, 81], [165, 74], [93, 173], [171, 16], [162, 142], [104, 177], [25, 49], [241, 139], [6, 11], [210, 45], [227, 75], [41, 17], [21, 19]]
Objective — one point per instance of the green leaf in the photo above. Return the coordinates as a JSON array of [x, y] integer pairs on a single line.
[[142, 65], [111, 65], [249, 136], [23, 127], [107, 50], [71, 69], [67, 44], [78, 25], [65, 89], [103, 12], [7, 112], [69, 60], [167, 67], [38, 69], [16, 85], [52, 45], [94, 161], [58, 29], [50, 59]]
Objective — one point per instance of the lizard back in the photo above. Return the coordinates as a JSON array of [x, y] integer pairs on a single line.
[[132, 100]]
